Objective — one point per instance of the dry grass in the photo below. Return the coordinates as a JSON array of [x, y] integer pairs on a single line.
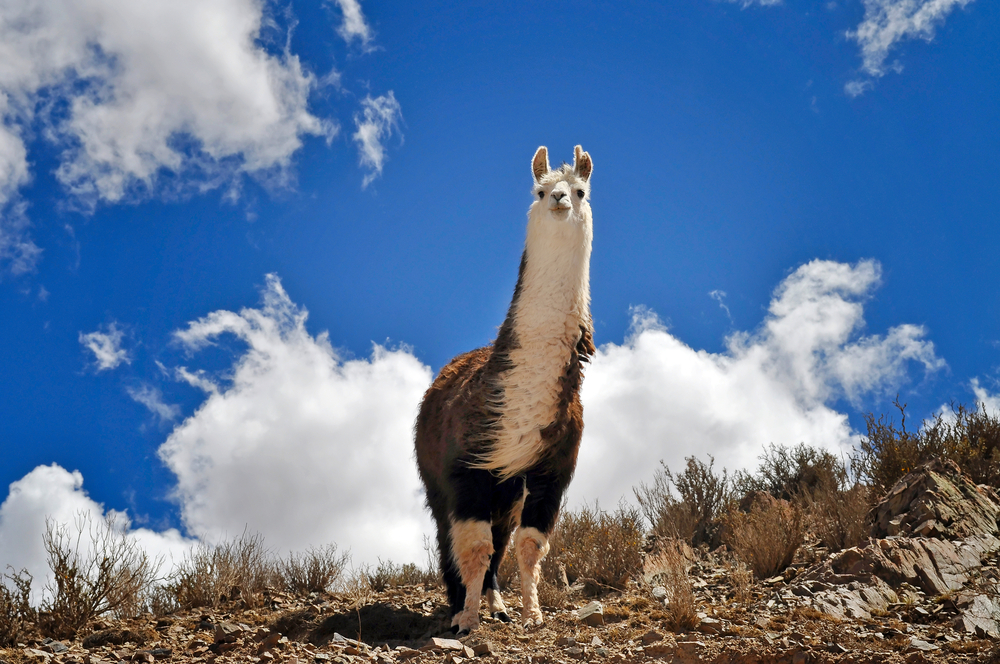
[[106, 573], [16, 614], [390, 575], [839, 518], [668, 566], [970, 438], [318, 569], [693, 514], [236, 569], [767, 537], [741, 579], [603, 548]]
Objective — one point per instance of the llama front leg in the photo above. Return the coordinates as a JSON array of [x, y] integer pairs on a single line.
[[472, 547], [530, 545]]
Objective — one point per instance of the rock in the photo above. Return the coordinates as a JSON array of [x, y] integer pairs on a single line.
[[659, 593], [592, 614], [710, 626], [652, 636], [482, 649], [922, 646], [448, 645], [564, 641], [979, 615], [937, 500], [268, 642], [226, 632], [576, 652], [659, 650]]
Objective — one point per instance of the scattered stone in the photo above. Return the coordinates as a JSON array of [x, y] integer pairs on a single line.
[[564, 641], [482, 649], [922, 646], [652, 636], [592, 614], [576, 652], [226, 632], [659, 593], [710, 626]]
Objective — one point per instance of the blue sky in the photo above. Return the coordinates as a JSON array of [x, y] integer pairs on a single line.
[[794, 209]]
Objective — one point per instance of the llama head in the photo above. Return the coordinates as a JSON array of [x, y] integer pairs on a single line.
[[564, 192]]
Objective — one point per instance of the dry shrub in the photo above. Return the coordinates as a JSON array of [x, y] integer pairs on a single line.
[[839, 518], [16, 614], [693, 514], [767, 537], [789, 472], [668, 566], [390, 575], [970, 438], [601, 547], [316, 570], [112, 575], [210, 575]]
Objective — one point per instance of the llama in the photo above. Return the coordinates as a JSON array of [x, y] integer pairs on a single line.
[[498, 431]]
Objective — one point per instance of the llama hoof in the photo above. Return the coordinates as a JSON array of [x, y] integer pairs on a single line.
[[532, 623], [501, 616]]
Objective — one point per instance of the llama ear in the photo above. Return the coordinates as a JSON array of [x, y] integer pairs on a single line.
[[582, 165], [540, 164]]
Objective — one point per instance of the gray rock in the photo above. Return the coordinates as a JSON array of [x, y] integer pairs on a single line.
[[592, 614]]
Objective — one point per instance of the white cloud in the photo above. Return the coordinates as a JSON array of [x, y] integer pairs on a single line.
[[985, 398], [51, 492], [106, 347], [354, 25], [763, 3], [654, 397], [133, 89], [302, 445], [152, 398], [857, 88], [376, 122], [888, 22]]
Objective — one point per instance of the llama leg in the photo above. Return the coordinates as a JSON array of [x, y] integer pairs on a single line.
[[501, 535], [531, 545], [472, 546]]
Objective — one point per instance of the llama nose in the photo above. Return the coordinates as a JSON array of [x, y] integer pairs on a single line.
[[558, 195]]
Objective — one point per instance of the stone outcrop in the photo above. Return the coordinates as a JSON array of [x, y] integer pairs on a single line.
[[932, 535]]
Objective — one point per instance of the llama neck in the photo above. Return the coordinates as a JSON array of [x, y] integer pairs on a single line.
[[551, 305]]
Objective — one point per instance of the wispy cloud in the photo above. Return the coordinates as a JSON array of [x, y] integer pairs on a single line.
[[354, 25], [888, 22], [152, 398], [720, 297], [106, 347], [378, 119]]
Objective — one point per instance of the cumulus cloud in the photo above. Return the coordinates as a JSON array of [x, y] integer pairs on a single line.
[[653, 397], [133, 89], [152, 398], [378, 119], [888, 22], [57, 495], [301, 444], [354, 25], [106, 347], [989, 400]]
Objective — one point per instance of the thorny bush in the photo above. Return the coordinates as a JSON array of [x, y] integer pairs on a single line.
[[767, 537]]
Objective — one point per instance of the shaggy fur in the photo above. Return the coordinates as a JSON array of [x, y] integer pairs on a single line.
[[499, 429]]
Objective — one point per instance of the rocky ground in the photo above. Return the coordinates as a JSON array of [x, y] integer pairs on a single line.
[[922, 589]]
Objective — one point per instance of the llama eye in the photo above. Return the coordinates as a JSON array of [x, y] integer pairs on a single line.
[[579, 193], [541, 194]]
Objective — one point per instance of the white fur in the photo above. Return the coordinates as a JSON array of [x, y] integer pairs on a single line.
[[553, 304], [530, 545], [471, 547]]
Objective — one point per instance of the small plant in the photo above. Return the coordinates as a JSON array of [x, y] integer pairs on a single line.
[[693, 514], [16, 613], [602, 547], [210, 575], [316, 570], [110, 576], [742, 580], [767, 537], [669, 566], [839, 518]]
